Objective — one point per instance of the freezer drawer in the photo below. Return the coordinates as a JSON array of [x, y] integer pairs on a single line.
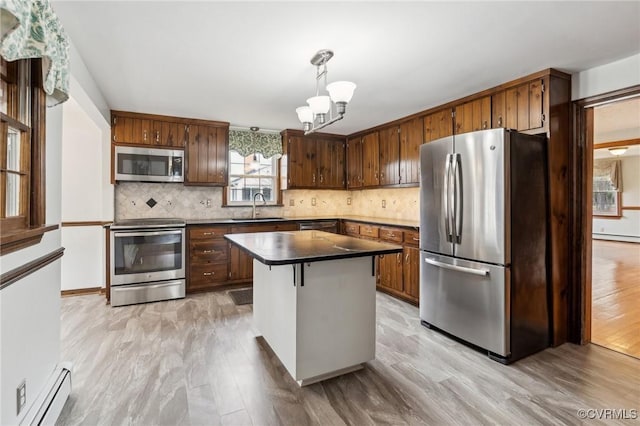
[[466, 299]]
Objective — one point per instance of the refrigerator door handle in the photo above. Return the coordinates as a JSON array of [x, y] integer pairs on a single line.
[[446, 194], [480, 272], [457, 201]]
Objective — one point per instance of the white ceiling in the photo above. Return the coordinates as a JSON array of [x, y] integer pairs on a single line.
[[248, 62], [617, 121]]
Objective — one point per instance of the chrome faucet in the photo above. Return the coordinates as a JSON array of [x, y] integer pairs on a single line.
[[264, 201]]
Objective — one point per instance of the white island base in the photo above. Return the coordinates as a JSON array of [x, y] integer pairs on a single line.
[[320, 321]]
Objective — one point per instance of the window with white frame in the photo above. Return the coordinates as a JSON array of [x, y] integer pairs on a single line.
[[250, 175]]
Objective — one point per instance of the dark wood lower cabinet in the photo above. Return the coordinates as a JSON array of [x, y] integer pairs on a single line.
[[214, 262], [411, 272], [390, 271], [396, 274], [241, 265]]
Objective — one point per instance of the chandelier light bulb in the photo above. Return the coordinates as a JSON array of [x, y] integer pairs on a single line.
[[319, 104], [341, 91], [305, 115]]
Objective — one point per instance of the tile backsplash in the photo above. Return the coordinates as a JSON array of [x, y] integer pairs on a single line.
[[177, 200], [190, 202], [400, 203]]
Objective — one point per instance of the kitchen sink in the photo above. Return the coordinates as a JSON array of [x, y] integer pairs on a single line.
[[257, 219]]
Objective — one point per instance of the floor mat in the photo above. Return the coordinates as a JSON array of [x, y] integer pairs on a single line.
[[242, 297]]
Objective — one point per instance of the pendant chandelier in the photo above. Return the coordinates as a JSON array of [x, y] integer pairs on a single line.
[[323, 110]]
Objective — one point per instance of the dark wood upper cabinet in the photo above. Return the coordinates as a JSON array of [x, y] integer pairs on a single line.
[[438, 125], [314, 161], [141, 131], [536, 104], [520, 107], [389, 139], [411, 137], [301, 153], [474, 115], [370, 160], [498, 109], [206, 155], [161, 131], [354, 163], [330, 163]]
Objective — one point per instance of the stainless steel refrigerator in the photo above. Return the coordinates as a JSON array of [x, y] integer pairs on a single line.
[[483, 241]]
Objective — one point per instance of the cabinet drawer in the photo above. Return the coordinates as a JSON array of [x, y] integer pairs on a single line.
[[391, 234], [203, 275], [207, 232], [369, 231], [201, 251], [412, 237], [351, 228]]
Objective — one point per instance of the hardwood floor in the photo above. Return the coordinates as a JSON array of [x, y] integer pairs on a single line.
[[197, 361], [615, 322]]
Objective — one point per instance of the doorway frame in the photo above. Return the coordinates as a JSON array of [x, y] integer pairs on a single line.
[[580, 298]]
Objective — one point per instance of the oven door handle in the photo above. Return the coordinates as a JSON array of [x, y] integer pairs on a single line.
[[145, 234]]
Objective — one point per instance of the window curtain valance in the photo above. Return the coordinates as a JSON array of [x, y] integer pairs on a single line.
[[30, 29], [607, 175], [247, 142]]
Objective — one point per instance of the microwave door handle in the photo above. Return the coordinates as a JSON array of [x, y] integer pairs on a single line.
[[458, 197], [145, 234], [170, 165], [446, 196]]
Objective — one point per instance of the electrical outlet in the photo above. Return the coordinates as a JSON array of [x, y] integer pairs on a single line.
[[384, 204], [313, 201], [208, 205], [292, 202], [349, 201], [21, 396]]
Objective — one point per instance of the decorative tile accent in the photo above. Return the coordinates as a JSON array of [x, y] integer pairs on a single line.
[[151, 202]]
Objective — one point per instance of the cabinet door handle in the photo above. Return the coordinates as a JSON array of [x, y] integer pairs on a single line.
[[209, 251], [499, 121], [321, 178], [313, 178], [415, 239], [406, 258], [208, 274], [399, 258], [484, 126], [157, 136], [208, 233], [144, 135]]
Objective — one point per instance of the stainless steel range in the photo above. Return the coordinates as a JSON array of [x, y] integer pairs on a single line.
[[147, 261]]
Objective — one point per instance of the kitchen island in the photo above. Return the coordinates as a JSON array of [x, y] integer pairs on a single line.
[[314, 299]]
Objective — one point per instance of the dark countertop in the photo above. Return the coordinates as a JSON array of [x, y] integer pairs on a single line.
[[414, 224], [285, 248]]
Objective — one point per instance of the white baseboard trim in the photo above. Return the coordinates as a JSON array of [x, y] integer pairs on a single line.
[[623, 238], [48, 406]]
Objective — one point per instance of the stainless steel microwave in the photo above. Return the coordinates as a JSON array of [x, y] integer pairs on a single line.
[[149, 164]]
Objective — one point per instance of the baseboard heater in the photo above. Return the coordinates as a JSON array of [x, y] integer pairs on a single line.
[[47, 408]]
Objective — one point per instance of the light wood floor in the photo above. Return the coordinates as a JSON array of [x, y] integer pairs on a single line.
[[615, 309], [197, 361]]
